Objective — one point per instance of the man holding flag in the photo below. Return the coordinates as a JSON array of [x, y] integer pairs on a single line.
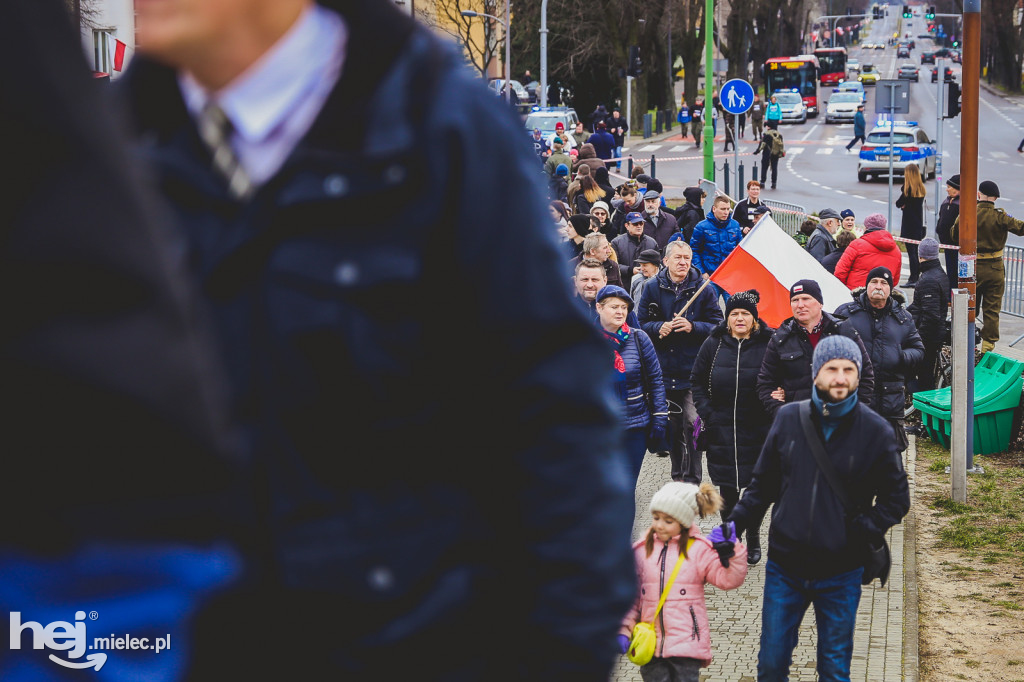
[[678, 311]]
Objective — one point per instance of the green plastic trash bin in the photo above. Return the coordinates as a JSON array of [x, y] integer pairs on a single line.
[[997, 392]]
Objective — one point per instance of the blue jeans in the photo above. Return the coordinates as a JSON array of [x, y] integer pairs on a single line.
[[786, 599], [617, 153]]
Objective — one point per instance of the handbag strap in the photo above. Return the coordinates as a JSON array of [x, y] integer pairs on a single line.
[[818, 450], [671, 579]]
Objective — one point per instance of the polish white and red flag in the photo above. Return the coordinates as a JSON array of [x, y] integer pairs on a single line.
[[771, 261], [117, 50]]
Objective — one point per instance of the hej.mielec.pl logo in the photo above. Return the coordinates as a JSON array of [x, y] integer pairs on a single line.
[[71, 638]]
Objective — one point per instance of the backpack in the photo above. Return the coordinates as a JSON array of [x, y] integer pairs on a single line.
[[778, 146]]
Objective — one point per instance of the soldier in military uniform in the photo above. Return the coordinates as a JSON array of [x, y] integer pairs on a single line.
[[993, 224]]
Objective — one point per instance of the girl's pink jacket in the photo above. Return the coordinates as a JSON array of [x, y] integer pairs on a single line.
[[682, 625]]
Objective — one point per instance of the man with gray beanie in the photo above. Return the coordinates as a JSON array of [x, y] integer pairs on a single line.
[[786, 375], [822, 242], [877, 313], [931, 300], [834, 472]]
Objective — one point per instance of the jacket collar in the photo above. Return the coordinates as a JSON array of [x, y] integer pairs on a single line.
[[353, 113], [927, 265], [693, 277]]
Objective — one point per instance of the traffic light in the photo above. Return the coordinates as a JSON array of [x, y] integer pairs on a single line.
[[636, 67], [952, 100], [929, 13], [906, 12]]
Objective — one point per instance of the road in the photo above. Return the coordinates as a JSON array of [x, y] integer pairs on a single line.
[[818, 172]]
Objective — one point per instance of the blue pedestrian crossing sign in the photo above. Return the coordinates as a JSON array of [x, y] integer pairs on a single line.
[[736, 96]]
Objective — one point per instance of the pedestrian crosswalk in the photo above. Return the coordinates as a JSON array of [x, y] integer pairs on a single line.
[[825, 150]]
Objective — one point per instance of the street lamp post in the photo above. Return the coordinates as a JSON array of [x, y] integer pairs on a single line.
[[508, 43], [543, 53]]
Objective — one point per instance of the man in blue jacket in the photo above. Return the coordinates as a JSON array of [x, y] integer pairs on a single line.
[[603, 141], [677, 338], [817, 546], [713, 240], [272, 126], [859, 127]]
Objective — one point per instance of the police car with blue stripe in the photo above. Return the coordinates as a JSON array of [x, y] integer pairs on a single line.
[[910, 145]]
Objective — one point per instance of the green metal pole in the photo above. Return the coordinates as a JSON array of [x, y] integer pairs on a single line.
[[709, 133]]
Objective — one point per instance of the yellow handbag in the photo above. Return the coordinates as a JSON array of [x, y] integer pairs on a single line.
[[645, 639]]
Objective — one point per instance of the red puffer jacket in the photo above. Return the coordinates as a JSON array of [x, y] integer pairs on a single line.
[[682, 625], [875, 248]]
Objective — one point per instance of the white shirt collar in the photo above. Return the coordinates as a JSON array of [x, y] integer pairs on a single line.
[[260, 100]]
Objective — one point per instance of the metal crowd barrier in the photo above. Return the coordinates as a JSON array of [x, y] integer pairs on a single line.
[[1013, 293], [788, 216]]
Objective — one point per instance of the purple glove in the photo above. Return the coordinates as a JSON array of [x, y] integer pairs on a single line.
[[723, 539], [623, 644]]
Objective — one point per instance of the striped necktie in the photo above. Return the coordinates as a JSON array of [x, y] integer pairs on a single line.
[[215, 130]]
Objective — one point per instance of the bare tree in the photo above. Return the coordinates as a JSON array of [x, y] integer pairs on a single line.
[[479, 47]]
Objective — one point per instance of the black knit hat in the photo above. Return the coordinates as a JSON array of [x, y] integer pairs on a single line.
[[954, 181], [881, 271], [809, 287], [744, 300], [989, 189]]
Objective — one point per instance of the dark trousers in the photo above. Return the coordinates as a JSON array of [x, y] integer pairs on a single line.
[[915, 264], [926, 370], [671, 670], [951, 268], [774, 125], [743, 124], [685, 461], [757, 127], [768, 160], [858, 137]]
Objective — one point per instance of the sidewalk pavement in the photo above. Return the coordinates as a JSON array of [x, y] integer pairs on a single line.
[[885, 639]]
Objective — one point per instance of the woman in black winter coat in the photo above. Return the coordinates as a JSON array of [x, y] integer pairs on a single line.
[[735, 421], [911, 202]]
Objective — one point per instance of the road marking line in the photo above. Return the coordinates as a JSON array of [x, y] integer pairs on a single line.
[[839, 191], [826, 187], [682, 148], [650, 148], [1000, 155], [816, 184], [857, 196], [825, 150], [797, 150], [878, 201]]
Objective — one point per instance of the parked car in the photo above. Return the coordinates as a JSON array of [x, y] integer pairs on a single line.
[[909, 72], [947, 76], [545, 119], [498, 84], [868, 75], [911, 145]]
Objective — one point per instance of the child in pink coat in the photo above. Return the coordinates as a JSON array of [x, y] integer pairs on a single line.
[[684, 642]]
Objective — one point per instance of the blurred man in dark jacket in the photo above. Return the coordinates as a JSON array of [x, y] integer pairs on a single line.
[[275, 125], [120, 462]]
